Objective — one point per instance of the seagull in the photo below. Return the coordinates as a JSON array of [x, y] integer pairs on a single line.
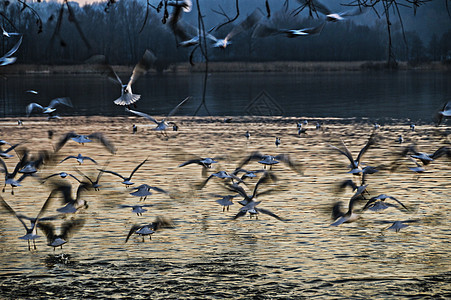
[[31, 232], [427, 158], [4, 153], [93, 184], [263, 30], [135, 129], [143, 191], [30, 165], [277, 142], [397, 225], [149, 229], [67, 229], [127, 97], [51, 108], [355, 164], [225, 201], [445, 112], [9, 177], [7, 59], [247, 135], [412, 127], [341, 217], [126, 180], [400, 139], [82, 139], [378, 203], [271, 160], [72, 205], [8, 34], [316, 6], [221, 175], [247, 24], [62, 175], [358, 190], [137, 209], [247, 174], [80, 158], [162, 125], [249, 204]]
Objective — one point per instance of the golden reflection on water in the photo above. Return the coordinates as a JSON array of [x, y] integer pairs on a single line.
[[205, 241]]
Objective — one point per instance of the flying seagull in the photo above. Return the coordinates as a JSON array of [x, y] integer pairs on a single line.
[[7, 59], [50, 109], [127, 97]]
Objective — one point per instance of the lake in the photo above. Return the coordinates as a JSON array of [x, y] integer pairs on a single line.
[[209, 255], [379, 96]]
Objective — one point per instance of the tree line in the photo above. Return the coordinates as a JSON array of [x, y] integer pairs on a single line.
[[55, 34]]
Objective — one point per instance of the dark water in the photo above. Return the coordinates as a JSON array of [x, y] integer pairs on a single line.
[[374, 95]]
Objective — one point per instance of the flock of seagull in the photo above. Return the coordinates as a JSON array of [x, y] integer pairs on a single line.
[[235, 182]]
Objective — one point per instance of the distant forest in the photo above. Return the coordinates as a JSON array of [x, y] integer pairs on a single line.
[[116, 34]]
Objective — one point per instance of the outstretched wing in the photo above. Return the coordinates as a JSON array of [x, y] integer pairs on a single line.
[[64, 139], [112, 172], [141, 68], [100, 138], [174, 110], [253, 156], [132, 230], [141, 114], [247, 24], [64, 101], [369, 143], [136, 169], [269, 213], [98, 63], [68, 228], [13, 49], [11, 211], [32, 106]]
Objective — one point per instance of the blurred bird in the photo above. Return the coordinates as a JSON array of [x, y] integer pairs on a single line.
[[82, 139], [264, 30], [163, 124], [51, 108], [444, 113], [98, 62], [68, 228], [62, 175], [72, 205], [6, 59], [8, 34], [397, 225], [31, 234], [4, 153], [316, 6], [246, 24], [9, 177], [277, 142], [355, 164], [126, 180], [137, 209], [143, 191], [80, 158], [271, 160], [149, 229], [378, 203], [221, 175], [341, 217]]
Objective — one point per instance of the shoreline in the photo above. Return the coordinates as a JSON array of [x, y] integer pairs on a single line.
[[233, 67]]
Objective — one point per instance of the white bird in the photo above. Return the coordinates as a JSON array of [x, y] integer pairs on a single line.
[[264, 30], [316, 6], [247, 24], [445, 112], [7, 59], [137, 209], [8, 34], [50, 109], [163, 124], [127, 97]]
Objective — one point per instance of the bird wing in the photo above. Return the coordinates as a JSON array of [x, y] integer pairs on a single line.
[[88, 158], [345, 153], [269, 213], [137, 167], [253, 156], [105, 142], [400, 203], [68, 157], [314, 30], [45, 206], [443, 150], [98, 63], [11, 211], [13, 49], [267, 176], [68, 228], [354, 12], [112, 172], [315, 6], [64, 101], [369, 143], [5, 168], [285, 158], [134, 228], [74, 177], [50, 176], [192, 161], [157, 189], [247, 24], [141, 68], [48, 229], [202, 184], [64, 139], [174, 110], [30, 107], [141, 114], [240, 214]]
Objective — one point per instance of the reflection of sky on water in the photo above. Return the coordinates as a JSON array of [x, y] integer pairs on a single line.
[[376, 95]]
